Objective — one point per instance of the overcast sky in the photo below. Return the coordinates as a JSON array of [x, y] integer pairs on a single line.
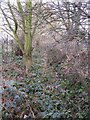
[[14, 1]]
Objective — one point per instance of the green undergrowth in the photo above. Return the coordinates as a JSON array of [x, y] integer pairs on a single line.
[[44, 94]]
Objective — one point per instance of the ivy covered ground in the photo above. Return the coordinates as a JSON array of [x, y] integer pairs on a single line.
[[41, 93]]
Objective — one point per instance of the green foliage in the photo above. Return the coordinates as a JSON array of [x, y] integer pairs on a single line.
[[13, 103], [50, 98]]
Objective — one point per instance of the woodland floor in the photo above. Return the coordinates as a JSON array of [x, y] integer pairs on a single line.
[[42, 93]]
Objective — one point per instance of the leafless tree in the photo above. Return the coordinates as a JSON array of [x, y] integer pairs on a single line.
[[72, 18], [21, 23]]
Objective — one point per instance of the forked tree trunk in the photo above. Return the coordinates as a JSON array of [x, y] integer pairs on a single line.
[[26, 24]]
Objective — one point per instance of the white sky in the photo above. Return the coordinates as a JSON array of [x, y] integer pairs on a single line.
[[14, 1]]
